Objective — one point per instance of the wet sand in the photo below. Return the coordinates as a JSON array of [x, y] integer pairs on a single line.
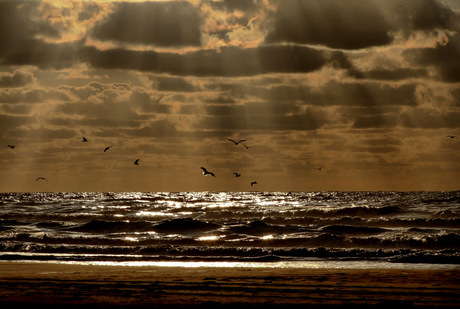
[[88, 286]]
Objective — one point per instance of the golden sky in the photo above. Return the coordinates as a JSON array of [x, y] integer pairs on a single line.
[[369, 90]]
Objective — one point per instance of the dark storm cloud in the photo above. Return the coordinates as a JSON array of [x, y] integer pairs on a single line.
[[45, 55], [356, 24], [19, 24], [389, 75], [16, 26], [16, 79], [334, 23], [445, 58], [229, 62], [158, 23]]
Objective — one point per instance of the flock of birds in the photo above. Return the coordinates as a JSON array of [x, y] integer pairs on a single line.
[[205, 171], [136, 162]]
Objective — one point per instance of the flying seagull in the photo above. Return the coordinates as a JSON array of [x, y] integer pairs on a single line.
[[237, 175], [107, 148], [236, 142], [320, 168], [41, 178], [11, 146], [451, 136], [84, 139], [247, 147], [136, 162], [253, 183], [206, 173]]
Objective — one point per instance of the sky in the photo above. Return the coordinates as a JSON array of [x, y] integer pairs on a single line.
[[327, 94]]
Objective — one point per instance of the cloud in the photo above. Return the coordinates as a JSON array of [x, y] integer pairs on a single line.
[[158, 128], [443, 57], [430, 119], [177, 84], [354, 24], [230, 61], [230, 119], [366, 94], [16, 79], [20, 27], [16, 26], [34, 95], [376, 121], [389, 75], [333, 23], [163, 24]]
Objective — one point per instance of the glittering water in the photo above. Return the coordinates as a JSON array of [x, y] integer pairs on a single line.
[[276, 229]]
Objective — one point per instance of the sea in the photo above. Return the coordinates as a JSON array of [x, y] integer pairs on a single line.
[[233, 229]]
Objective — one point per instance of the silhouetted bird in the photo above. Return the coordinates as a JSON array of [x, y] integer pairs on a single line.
[[11, 146], [41, 178], [236, 142], [84, 139], [107, 148], [247, 147], [320, 168], [451, 136], [206, 173], [136, 162], [237, 175], [253, 183]]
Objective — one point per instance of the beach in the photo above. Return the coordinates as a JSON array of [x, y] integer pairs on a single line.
[[78, 285]]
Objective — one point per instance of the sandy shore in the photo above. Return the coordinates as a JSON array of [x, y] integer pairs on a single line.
[[186, 287]]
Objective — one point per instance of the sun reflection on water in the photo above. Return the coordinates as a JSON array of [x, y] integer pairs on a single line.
[[311, 264]]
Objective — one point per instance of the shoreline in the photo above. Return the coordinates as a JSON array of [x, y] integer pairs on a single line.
[[54, 284]]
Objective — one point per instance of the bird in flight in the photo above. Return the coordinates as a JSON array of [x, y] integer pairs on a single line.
[[136, 162], [451, 136], [107, 148], [11, 146], [41, 178], [237, 175], [253, 183], [206, 173], [236, 142], [247, 147], [320, 168], [84, 139]]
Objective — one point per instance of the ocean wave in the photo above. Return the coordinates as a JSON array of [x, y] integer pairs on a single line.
[[184, 225], [348, 229], [99, 226], [263, 226]]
